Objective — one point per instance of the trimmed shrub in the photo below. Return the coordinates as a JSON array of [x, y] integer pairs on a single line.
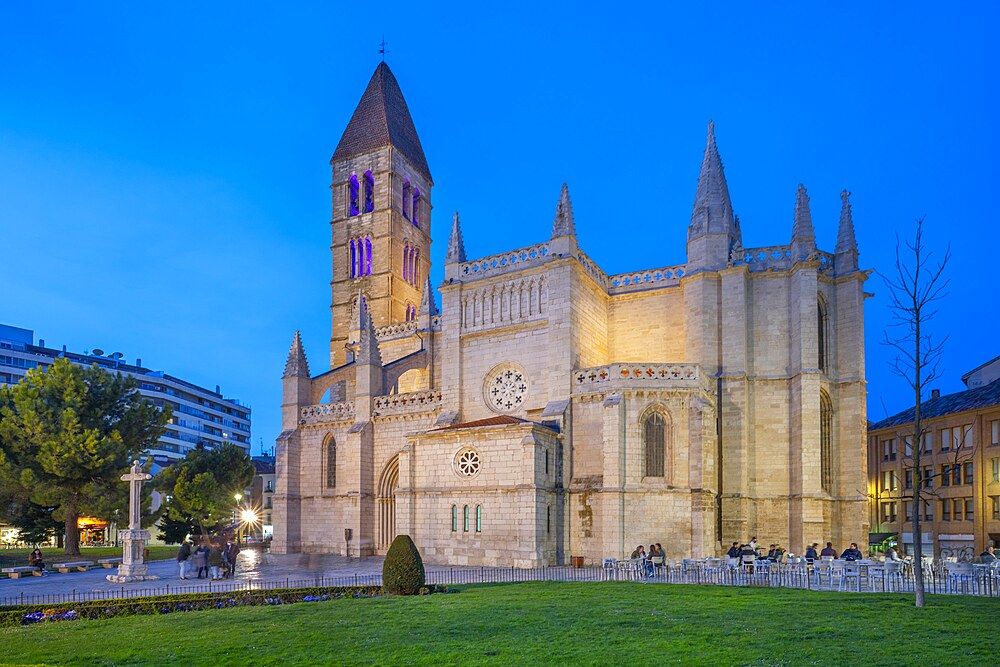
[[403, 569]]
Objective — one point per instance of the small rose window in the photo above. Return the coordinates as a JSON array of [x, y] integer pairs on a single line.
[[467, 463]]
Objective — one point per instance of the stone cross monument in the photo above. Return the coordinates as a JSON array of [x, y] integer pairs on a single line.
[[134, 539]]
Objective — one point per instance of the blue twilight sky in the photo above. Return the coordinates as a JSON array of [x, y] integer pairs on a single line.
[[164, 169]]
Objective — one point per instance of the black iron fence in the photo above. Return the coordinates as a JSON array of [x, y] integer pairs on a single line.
[[981, 583]]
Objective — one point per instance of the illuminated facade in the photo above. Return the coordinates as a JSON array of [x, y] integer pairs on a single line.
[[551, 410]]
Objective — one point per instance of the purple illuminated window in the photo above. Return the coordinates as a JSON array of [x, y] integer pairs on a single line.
[[415, 213], [368, 255], [407, 196], [352, 195], [413, 268], [411, 312], [354, 260], [369, 192]]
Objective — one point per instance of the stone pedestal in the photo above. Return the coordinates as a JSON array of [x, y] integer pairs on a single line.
[[133, 568]]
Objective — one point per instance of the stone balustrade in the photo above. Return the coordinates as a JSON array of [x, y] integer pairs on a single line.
[[634, 281], [616, 377], [326, 413], [397, 330], [508, 261], [408, 403], [592, 268]]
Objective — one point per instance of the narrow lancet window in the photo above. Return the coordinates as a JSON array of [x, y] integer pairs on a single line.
[[415, 213], [368, 256], [826, 442], [369, 192], [654, 442], [821, 325], [331, 464], [352, 196], [407, 196], [354, 259], [406, 261]]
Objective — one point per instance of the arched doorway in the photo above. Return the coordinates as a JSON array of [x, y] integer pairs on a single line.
[[386, 503]]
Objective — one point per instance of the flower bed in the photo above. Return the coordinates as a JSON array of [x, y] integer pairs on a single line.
[[168, 604]]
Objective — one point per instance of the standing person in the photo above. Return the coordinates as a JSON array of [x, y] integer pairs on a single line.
[[753, 543], [828, 551], [231, 551], [215, 561], [36, 559], [201, 558], [183, 555]]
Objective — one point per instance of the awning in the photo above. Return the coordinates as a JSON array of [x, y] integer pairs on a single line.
[[875, 539]]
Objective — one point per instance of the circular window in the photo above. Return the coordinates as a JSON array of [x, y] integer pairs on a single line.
[[505, 388], [467, 463]]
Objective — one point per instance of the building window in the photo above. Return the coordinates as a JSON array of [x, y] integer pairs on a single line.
[[654, 441], [968, 472], [331, 464], [969, 514], [826, 442], [995, 501], [354, 258], [888, 512], [352, 196], [928, 439], [546, 463], [821, 334], [908, 475], [411, 312], [479, 518], [946, 510], [995, 433], [465, 518], [454, 518], [945, 475], [467, 462], [270, 486], [368, 256], [908, 510], [415, 211], [889, 482], [406, 261], [369, 192], [406, 198], [927, 476], [945, 439], [888, 446], [928, 510], [996, 469], [548, 519], [956, 475]]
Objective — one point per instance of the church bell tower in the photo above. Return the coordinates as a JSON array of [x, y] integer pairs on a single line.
[[381, 222]]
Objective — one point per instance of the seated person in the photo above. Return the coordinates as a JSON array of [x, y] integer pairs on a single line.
[[770, 552], [734, 551], [852, 553], [35, 559], [892, 556], [988, 557], [811, 554], [828, 551]]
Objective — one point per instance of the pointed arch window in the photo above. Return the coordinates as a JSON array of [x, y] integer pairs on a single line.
[[368, 256], [369, 192], [353, 189], [826, 442], [406, 261], [407, 197], [654, 442], [354, 258], [465, 518], [411, 312], [415, 211], [479, 518], [413, 267], [821, 334], [331, 463], [361, 256], [454, 518]]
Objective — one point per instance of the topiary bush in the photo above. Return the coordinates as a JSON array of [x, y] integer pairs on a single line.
[[403, 569]]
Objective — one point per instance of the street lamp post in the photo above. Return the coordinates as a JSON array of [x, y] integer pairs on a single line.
[[236, 515]]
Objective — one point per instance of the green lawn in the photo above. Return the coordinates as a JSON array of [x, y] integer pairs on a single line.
[[16, 557], [541, 623]]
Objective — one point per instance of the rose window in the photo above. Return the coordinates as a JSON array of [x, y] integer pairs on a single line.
[[467, 463], [505, 389]]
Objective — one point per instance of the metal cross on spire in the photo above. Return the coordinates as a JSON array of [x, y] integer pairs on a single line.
[[382, 50]]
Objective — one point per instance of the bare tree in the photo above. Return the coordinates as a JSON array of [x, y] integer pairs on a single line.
[[914, 287]]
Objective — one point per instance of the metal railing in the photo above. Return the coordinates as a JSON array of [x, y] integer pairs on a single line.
[[986, 584]]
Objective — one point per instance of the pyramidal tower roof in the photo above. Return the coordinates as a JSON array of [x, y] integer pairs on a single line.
[[713, 210], [296, 364], [456, 245], [382, 119]]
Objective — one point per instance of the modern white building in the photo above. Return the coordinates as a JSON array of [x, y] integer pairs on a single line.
[[199, 415]]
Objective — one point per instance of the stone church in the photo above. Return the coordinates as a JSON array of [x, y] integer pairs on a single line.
[[551, 410]]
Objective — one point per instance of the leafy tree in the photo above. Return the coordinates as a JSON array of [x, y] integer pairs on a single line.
[[67, 434], [173, 531], [200, 489], [913, 290]]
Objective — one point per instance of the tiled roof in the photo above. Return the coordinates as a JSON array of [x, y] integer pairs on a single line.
[[264, 467], [970, 399], [503, 420], [382, 119]]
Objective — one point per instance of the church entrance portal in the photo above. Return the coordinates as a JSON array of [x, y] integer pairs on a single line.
[[386, 503]]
